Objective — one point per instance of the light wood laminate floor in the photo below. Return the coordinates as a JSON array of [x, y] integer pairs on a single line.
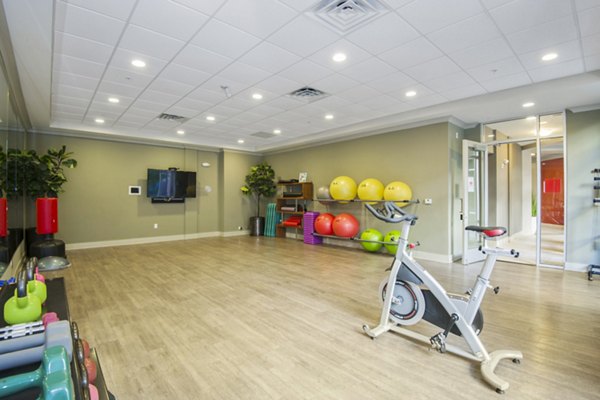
[[270, 318]]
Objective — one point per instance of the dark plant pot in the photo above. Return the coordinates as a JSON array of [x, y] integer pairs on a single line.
[[257, 226]]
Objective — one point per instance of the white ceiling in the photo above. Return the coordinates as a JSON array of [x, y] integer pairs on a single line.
[[472, 60]]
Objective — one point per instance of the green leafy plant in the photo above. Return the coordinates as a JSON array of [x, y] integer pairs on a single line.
[[38, 175], [260, 182]]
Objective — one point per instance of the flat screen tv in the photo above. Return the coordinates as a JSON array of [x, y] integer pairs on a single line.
[[170, 184]]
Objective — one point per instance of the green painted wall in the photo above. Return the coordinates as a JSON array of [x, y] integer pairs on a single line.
[[583, 219], [96, 206], [417, 156]]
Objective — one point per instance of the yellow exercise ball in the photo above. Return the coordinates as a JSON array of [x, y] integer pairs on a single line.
[[399, 192], [342, 188], [370, 189]]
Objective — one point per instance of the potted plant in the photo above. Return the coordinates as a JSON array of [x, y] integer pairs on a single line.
[[260, 182]]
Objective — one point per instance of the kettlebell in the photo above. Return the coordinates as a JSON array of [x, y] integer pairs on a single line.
[[22, 307], [34, 286]]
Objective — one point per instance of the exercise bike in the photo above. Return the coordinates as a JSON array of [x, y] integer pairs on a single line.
[[417, 295]]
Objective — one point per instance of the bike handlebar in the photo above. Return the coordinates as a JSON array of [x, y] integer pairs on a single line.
[[389, 213]]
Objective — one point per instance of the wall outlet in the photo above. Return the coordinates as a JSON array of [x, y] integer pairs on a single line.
[[240, 228], [428, 202], [155, 226]]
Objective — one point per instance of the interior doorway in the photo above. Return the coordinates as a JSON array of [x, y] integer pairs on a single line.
[[526, 186]]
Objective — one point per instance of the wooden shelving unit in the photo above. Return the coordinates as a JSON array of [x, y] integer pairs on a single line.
[[292, 200]]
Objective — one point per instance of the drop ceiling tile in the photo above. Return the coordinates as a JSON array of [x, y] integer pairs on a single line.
[[466, 33], [463, 92], [75, 92], [358, 93], [70, 101], [101, 112], [122, 105], [243, 73], [489, 4], [124, 77], [119, 89], [588, 21], [195, 57], [410, 54], [543, 35], [145, 106], [525, 14], [303, 36], [122, 60], [482, 53], [566, 52], [168, 18], [269, 57], [138, 112], [400, 93], [221, 38], [62, 117], [185, 75], [208, 92], [123, 124], [369, 70], [190, 104], [84, 49], [170, 87], [392, 82], [305, 72], [150, 43], [77, 66], [279, 85], [592, 63], [159, 97], [448, 82], [431, 15], [354, 55], [87, 24], [120, 9], [184, 112], [559, 70], [69, 109], [398, 3], [506, 82], [508, 66], [63, 78], [387, 32], [432, 69], [381, 101], [591, 45], [207, 7], [427, 101], [249, 17], [334, 83], [585, 4]]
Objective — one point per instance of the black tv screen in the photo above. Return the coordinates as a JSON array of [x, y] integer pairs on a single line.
[[170, 184]]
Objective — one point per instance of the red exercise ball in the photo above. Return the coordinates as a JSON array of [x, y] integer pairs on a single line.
[[345, 225], [323, 224]]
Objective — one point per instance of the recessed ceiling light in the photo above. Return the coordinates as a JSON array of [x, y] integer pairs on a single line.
[[240, 141], [181, 132], [329, 116], [257, 96], [138, 63], [549, 56], [532, 118], [491, 135], [210, 118], [99, 120], [528, 104], [277, 131], [339, 57], [410, 93], [113, 100]]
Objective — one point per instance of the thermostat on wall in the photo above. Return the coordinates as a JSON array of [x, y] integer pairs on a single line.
[[135, 190]]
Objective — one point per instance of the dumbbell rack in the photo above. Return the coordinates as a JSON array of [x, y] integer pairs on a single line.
[[56, 302]]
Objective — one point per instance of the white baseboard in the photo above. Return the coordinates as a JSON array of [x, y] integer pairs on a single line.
[[577, 267], [153, 239], [235, 233]]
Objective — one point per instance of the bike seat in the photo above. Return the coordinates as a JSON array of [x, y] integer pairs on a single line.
[[488, 231]]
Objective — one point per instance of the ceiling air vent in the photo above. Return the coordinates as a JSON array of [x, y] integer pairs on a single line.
[[346, 15], [172, 117], [308, 94]]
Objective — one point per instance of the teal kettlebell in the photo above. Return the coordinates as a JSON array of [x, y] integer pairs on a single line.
[[22, 307], [34, 286]]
